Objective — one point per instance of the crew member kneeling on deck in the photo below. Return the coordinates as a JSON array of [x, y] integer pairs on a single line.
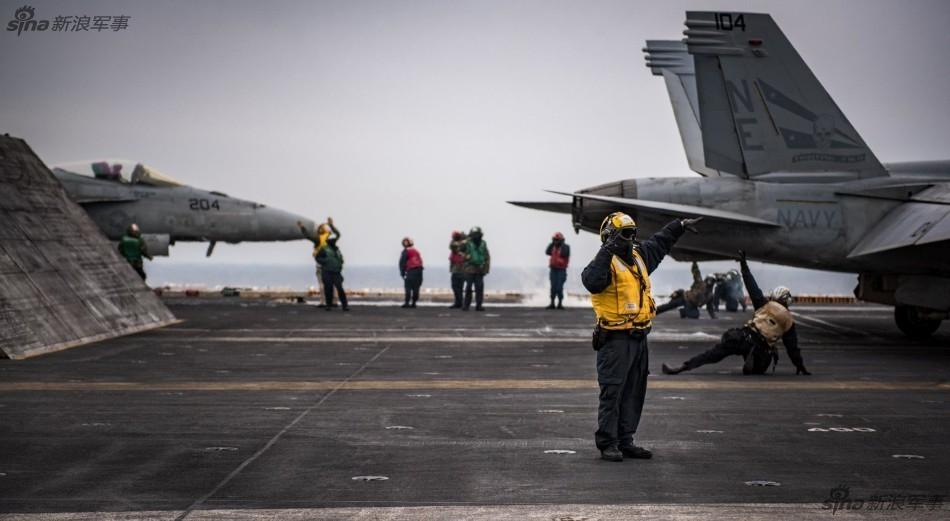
[[619, 281], [755, 341]]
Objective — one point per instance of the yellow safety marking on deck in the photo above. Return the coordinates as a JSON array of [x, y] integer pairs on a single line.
[[378, 339], [697, 336], [803, 384]]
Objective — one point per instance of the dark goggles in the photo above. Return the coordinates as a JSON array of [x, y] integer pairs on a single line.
[[628, 234]]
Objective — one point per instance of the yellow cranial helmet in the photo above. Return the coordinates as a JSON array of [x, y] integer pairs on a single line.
[[618, 221]]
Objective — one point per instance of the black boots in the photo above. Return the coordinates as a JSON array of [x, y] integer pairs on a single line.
[[673, 370], [632, 451], [611, 453], [614, 453]]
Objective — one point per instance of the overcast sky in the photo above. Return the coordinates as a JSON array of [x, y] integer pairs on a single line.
[[416, 117]]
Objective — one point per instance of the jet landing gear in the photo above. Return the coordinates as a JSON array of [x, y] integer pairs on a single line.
[[917, 322]]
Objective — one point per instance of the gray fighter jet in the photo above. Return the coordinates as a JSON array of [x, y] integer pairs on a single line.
[[168, 211], [785, 175]]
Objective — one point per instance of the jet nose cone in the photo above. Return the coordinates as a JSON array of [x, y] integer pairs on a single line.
[[308, 225], [283, 226]]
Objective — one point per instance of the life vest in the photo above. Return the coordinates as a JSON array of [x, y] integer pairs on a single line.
[[557, 260], [627, 303], [321, 242], [476, 254], [413, 259], [131, 248], [772, 320], [330, 259], [456, 257]]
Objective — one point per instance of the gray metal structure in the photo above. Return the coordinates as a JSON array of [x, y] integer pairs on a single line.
[[786, 176], [168, 211], [62, 284]]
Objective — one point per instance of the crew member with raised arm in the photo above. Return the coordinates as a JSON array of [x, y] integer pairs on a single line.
[[755, 341], [619, 282]]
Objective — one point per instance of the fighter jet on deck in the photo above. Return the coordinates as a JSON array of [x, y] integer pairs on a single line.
[[168, 211], [785, 175]]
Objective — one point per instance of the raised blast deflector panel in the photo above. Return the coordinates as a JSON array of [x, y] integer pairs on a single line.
[[62, 284]]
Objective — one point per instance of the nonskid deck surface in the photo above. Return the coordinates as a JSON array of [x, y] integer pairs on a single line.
[[250, 410]]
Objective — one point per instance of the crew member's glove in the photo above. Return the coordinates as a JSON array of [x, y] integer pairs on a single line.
[[742, 257], [616, 244], [802, 370], [690, 224]]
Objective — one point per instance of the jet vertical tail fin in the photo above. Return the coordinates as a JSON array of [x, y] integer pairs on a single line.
[[669, 59], [762, 109]]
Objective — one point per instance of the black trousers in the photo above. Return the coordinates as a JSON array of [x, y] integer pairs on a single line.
[[139, 268], [732, 304], [687, 309], [719, 294], [732, 298], [676, 301], [737, 341], [474, 281], [413, 283], [622, 369], [558, 278], [333, 280], [458, 281]]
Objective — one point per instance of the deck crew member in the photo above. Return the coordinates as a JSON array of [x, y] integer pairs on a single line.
[[132, 246], [755, 341], [619, 281], [559, 254], [477, 265], [410, 268]]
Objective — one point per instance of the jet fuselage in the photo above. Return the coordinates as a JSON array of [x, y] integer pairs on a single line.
[[817, 225]]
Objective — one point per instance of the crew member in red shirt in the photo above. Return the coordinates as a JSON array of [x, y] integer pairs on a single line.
[[560, 254], [410, 267]]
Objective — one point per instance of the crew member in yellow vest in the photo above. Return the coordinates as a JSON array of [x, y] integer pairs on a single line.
[[755, 341], [319, 238], [619, 281]]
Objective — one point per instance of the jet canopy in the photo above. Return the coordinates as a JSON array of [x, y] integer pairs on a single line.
[[120, 171]]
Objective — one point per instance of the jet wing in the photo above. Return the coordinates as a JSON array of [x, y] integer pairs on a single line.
[[101, 198], [557, 207], [914, 223], [682, 254], [674, 209]]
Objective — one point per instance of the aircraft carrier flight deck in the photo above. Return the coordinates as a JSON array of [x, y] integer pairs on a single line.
[[257, 410]]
